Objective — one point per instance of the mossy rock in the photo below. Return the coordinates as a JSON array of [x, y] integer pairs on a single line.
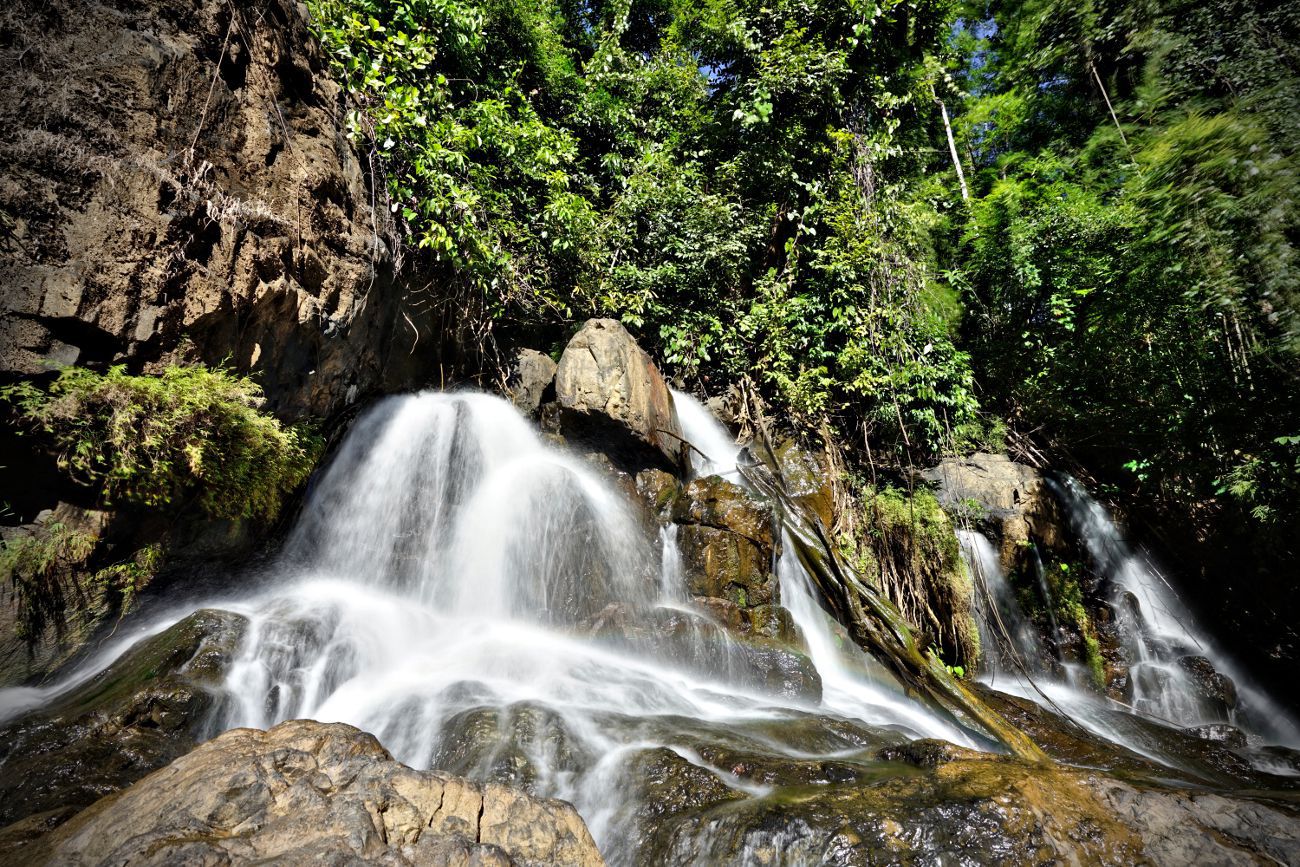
[[659, 490], [728, 566], [933, 802], [715, 502], [807, 480], [757, 621], [148, 707]]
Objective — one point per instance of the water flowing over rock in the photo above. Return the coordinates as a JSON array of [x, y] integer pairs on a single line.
[[1178, 706], [100, 733], [605, 379], [310, 792], [489, 602], [1179, 674]]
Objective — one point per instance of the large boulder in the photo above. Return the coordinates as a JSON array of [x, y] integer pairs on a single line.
[[606, 383], [313, 792], [1009, 500]]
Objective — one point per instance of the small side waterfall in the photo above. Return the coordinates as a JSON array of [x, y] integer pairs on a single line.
[[1157, 632], [715, 449], [853, 684], [1008, 642], [1161, 633]]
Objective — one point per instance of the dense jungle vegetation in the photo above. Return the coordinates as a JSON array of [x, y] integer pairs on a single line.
[[910, 221]]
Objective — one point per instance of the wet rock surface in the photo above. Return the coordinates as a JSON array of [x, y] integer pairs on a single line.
[[932, 802], [1216, 690], [715, 502], [503, 745], [658, 491], [727, 546], [143, 711], [1198, 759], [806, 476], [759, 621], [1229, 736], [728, 566], [717, 648], [312, 792], [74, 611]]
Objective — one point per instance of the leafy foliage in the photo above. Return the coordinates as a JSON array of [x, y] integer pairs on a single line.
[[37, 566], [1131, 279], [50, 567], [190, 434], [712, 173], [909, 549]]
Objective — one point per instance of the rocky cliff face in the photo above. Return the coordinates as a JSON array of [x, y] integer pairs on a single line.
[[177, 185]]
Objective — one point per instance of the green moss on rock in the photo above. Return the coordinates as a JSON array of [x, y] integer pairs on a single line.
[[909, 549], [159, 441]]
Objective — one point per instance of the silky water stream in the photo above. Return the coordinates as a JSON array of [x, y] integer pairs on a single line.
[[490, 605], [1158, 634]]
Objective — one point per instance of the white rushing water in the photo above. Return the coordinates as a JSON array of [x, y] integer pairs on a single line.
[[716, 450], [853, 684], [1008, 641], [488, 604], [485, 603], [1156, 634], [1163, 630]]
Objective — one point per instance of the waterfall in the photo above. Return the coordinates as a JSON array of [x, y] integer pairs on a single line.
[[1008, 641], [716, 449], [853, 684], [1156, 630], [487, 604], [1160, 630]]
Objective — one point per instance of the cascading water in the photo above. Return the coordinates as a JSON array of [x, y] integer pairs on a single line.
[[486, 604], [1160, 631], [853, 684], [715, 449], [1008, 643], [1153, 641]]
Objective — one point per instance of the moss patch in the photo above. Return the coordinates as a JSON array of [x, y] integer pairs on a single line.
[[159, 441], [51, 570], [908, 548]]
